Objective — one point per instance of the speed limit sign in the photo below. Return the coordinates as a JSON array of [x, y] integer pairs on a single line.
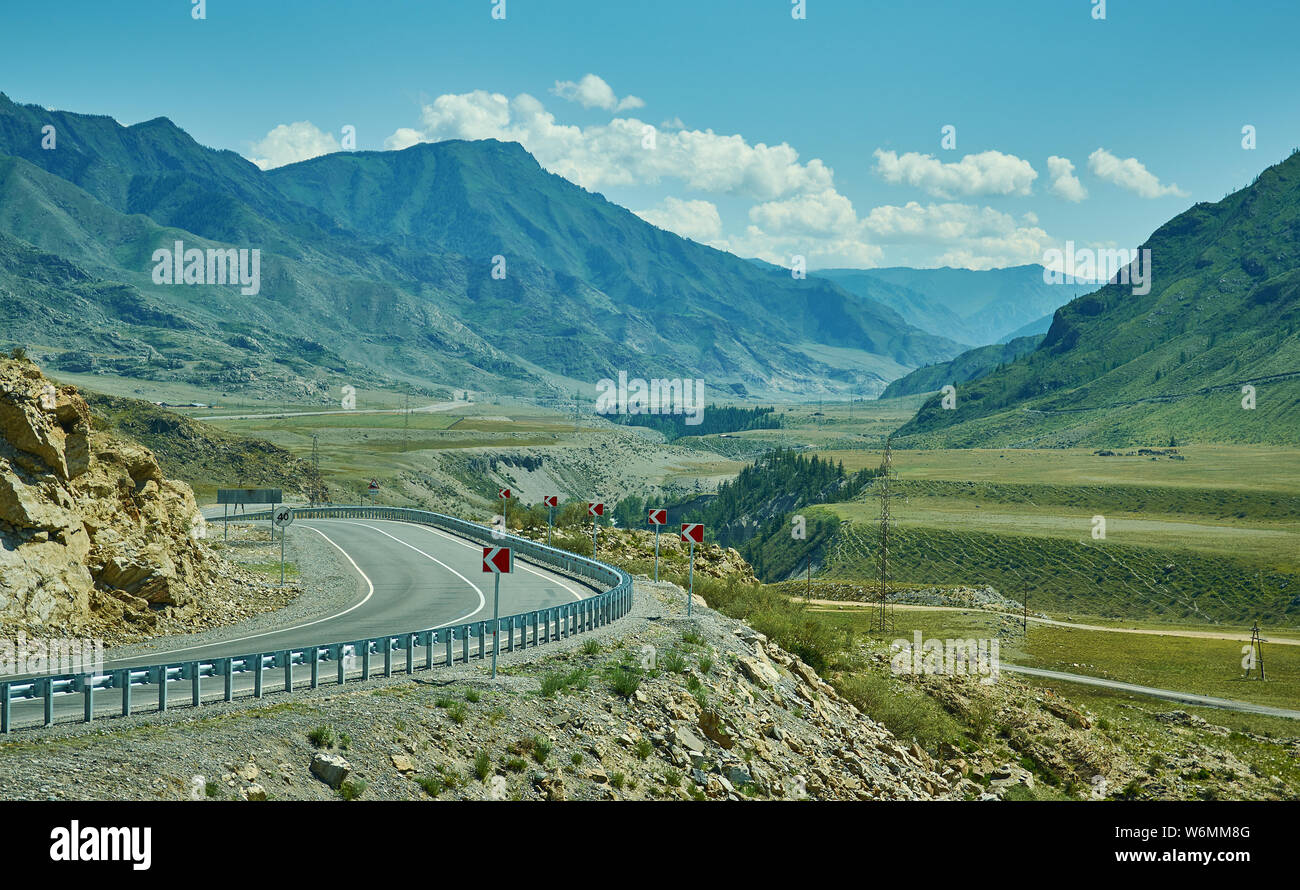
[[283, 517]]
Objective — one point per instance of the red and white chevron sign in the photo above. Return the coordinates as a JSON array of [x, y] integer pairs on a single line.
[[594, 509], [503, 493], [497, 559], [658, 517], [551, 500], [693, 531]]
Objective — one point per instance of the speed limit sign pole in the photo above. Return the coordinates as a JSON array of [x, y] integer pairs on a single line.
[[281, 518], [496, 560]]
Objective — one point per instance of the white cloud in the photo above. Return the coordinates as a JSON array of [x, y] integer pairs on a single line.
[[1065, 184], [594, 92], [966, 236], [825, 213], [1131, 174], [290, 143], [612, 154], [986, 173], [697, 220]]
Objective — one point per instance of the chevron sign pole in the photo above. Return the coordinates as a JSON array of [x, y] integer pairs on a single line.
[[496, 560]]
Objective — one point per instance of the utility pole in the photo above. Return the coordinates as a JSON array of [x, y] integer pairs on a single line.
[[1025, 620], [316, 492], [1256, 645], [882, 621]]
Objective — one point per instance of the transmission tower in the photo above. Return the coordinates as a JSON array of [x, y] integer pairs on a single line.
[[882, 617]]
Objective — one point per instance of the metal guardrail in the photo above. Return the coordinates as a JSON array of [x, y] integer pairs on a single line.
[[545, 626]]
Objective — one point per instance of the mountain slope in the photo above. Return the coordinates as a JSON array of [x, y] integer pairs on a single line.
[[968, 366], [1118, 368], [383, 260], [917, 309]]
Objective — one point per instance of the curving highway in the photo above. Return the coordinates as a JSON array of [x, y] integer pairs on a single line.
[[409, 577]]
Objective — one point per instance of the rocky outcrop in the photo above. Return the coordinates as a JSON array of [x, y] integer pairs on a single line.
[[91, 534]]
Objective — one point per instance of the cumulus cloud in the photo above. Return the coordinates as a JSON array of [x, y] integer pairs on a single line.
[[290, 143], [593, 92], [1065, 184], [965, 235], [986, 173], [618, 153], [1131, 174], [694, 219]]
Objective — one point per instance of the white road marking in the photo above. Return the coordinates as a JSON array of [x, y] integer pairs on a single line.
[[482, 600], [557, 579], [371, 592]]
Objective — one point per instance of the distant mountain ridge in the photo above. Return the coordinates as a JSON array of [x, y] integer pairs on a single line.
[[379, 265], [977, 307]]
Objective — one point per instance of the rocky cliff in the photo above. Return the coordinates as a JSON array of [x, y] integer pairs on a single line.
[[92, 537]]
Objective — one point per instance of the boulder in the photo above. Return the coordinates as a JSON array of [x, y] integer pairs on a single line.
[[331, 769]]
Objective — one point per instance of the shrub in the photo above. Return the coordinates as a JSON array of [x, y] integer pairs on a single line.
[[591, 647], [351, 789], [673, 662], [432, 785], [624, 681], [541, 749], [644, 749], [322, 736], [482, 766], [458, 712]]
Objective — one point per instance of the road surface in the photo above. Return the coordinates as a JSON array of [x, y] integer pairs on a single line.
[[409, 578]]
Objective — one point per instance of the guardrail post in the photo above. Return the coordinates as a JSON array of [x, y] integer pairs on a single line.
[[228, 671], [88, 690], [482, 640], [196, 690], [338, 654], [410, 653], [365, 660], [428, 652], [464, 644], [162, 688], [510, 634], [451, 635], [388, 656], [48, 690], [259, 664], [288, 670], [315, 667], [124, 677], [4, 707]]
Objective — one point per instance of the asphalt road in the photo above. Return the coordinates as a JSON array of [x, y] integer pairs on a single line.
[[410, 577]]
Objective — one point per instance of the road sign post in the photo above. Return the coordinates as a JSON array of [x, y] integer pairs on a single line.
[[373, 490], [504, 495], [657, 518], [282, 519], [496, 560], [692, 534], [550, 500], [595, 511]]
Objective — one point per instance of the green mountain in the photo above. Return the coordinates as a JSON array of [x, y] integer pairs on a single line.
[[377, 266], [970, 365], [1118, 368], [990, 305]]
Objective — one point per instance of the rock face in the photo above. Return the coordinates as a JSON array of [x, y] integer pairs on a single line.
[[91, 534]]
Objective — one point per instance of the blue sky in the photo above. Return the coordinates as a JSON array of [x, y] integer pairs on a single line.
[[773, 136]]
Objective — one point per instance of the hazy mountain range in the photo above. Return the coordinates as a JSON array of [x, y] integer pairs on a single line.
[[378, 267]]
